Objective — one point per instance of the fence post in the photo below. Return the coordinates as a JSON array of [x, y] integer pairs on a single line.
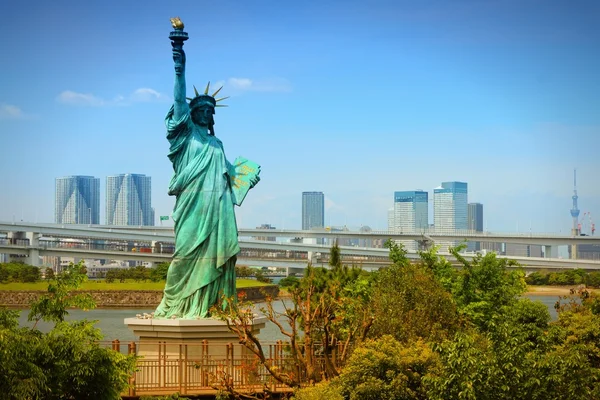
[[204, 364], [185, 369], [231, 365], [132, 350], [179, 369]]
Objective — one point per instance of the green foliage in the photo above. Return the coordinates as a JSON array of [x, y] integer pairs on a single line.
[[592, 279], [243, 271], [407, 302], [53, 305], [537, 278], [335, 257], [78, 368], [386, 369], [48, 273], [485, 285], [564, 278], [18, 272], [65, 363], [289, 281], [441, 268], [322, 390], [261, 277], [159, 272], [397, 253]]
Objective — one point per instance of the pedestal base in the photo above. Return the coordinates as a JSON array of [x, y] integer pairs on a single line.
[[201, 337], [190, 356]]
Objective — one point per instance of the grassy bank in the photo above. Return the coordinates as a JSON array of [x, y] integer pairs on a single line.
[[552, 290], [103, 285]]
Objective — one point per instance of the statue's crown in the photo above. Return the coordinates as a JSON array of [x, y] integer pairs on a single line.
[[206, 100]]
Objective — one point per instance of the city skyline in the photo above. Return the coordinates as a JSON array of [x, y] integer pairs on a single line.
[[355, 99]]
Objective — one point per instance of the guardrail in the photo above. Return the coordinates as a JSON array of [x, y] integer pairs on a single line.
[[204, 368]]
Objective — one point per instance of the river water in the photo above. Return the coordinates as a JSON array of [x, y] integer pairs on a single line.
[[110, 320]]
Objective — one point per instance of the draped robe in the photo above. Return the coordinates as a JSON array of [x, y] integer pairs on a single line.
[[206, 244]]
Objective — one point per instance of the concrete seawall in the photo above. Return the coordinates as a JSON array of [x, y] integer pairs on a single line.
[[122, 298]]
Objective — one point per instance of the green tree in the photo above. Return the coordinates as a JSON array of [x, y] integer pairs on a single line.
[[387, 369], [159, 272], [52, 306], [537, 278], [289, 281], [65, 363], [485, 285], [335, 257], [242, 271], [49, 273], [408, 302]]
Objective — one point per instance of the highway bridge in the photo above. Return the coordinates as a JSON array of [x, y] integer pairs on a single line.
[[155, 244]]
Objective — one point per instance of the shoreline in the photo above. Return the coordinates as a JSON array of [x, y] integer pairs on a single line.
[[533, 290]]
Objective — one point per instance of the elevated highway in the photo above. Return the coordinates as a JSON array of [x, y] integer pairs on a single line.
[[156, 233], [253, 252]]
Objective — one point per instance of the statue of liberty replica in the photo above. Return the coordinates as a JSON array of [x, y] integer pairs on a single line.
[[206, 187]]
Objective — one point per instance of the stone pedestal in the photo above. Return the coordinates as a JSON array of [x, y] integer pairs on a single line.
[[190, 356], [195, 337]]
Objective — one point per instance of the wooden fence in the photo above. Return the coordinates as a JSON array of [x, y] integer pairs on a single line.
[[203, 368]]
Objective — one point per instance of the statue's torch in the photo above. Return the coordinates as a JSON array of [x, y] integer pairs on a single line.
[[177, 36]]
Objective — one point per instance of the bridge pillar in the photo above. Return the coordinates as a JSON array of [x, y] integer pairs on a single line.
[[17, 238], [550, 251], [34, 252]]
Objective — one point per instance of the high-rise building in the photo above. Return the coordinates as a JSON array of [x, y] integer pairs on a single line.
[[313, 213], [450, 211], [411, 214], [77, 200], [390, 219], [475, 221], [313, 210], [128, 200]]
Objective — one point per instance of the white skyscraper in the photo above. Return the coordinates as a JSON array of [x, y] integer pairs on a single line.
[[128, 200], [77, 200], [410, 215], [450, 210]]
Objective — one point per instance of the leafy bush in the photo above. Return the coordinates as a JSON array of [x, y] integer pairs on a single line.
[[65, 363]]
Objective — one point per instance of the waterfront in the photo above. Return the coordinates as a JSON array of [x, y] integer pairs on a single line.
[[110, 320]]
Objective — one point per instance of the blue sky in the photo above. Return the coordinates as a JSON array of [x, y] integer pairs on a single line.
[[357, 99]]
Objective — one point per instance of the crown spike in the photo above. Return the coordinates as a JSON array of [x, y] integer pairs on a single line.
[[221, 105], [196, 91], [215, 93], [222, 98], [207, 88], [189, 98]]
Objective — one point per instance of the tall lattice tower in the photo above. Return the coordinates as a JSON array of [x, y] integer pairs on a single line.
[[575, 215]]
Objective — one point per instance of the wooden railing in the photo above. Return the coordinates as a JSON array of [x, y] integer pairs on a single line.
[[204, 368]]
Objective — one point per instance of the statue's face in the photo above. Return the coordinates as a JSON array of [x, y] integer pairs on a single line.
[[203, 116]]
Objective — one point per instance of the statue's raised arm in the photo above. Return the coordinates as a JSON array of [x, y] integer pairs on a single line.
[[178, 36]]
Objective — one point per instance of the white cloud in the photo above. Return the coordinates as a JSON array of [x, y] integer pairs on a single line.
[[80, 99], [146, 95], [141, 95], [240, 83], [8, 111], [264, 85]]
